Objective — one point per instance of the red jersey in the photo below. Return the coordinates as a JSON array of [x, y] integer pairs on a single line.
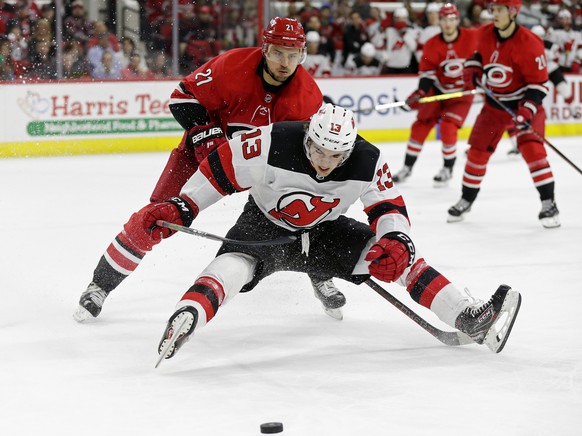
[[442, 62], [232, 90], [516, 67]]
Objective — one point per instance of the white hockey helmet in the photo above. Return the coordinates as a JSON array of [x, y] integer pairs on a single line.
[[401, 13], [332, 128], [539, 31]]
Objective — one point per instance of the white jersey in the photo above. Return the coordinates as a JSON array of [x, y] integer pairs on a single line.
[[271, 164], [356, 67], [568, 41], [400, 46], [424, 35], [317, 65]]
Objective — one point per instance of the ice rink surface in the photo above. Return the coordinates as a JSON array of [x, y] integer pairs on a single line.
[[272, 354]]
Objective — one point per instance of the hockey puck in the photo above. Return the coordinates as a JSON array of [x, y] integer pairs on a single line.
[[271, 427]]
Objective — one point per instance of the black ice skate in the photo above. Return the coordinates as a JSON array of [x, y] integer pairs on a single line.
[[91, 303], [458, 211], [180, 327], [442, 178], [490, 323], [549, 215], [402, 175], [330, 296]]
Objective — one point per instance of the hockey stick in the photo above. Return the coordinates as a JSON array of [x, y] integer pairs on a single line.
[[277, 241], [429, 99], [447, 338], [490, 94]]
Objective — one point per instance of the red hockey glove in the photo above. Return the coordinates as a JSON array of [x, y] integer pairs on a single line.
[[524, 115], [412, 102], [204, 139], [141, 229], [472, 72], [390, 256]]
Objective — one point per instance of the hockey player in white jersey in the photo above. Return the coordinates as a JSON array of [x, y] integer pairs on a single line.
[[302, 178]]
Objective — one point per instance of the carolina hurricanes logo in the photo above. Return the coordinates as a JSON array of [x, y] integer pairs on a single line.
[[452, 68], [498, 75], [301, 209]]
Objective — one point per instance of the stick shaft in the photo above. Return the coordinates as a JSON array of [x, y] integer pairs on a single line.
[[447, 338], [179, 228], [490, 94], [429, 99]]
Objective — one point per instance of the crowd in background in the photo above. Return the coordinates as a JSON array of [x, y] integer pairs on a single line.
[[345, 37]]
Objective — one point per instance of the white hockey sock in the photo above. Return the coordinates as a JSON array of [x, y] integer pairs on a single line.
[[449, 303]]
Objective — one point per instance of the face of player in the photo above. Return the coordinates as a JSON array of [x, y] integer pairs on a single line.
[[449, 25], [501, 16], [281, 62], [324, 161]]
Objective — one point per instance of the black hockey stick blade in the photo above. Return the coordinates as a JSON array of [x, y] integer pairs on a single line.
[[278, 241], [448, 338]]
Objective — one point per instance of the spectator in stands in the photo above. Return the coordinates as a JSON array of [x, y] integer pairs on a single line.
[[473, 14], [74, 63], [95, 54], [76, 27], [293, 12], [365, 63], [547, 12], [159, 65], [317, 62], [135, 70], [19, 50], [6, 63], [569, 41], [29, 7], [355, 36], [362, 7], [7, 13], [530, 15], [48, 12], [374, 28], [326, 46], [41, 32], [100, 27], [431, 27], [401, 43], [43, 65], [108, 68], [306, 11], [23, 19], [485, 17]]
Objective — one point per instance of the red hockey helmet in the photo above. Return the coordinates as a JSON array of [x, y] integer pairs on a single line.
[[285, 32], [447, 10], [509, 3]]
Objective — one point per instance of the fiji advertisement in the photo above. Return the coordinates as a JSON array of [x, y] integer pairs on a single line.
[[105, 117]]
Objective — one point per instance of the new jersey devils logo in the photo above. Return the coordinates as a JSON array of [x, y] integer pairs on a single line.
[[498, 75], [302, 210]]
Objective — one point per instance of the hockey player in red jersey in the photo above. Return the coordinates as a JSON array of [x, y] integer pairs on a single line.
[[441, 72], [514, 66], [238, 90], [302, 179]]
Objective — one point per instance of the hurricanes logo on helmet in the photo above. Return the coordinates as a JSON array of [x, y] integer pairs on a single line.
[[302, 210]]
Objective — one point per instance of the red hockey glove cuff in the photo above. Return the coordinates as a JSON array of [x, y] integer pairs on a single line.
[[472, 72], [204, 139], [524, 115], [141, 229], [412, 102], [390, 256]]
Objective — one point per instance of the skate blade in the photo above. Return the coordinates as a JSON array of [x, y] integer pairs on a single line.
[[499, 332], [551, 222], [334, 313], [82, 315], [454, 219], [178, 332]]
